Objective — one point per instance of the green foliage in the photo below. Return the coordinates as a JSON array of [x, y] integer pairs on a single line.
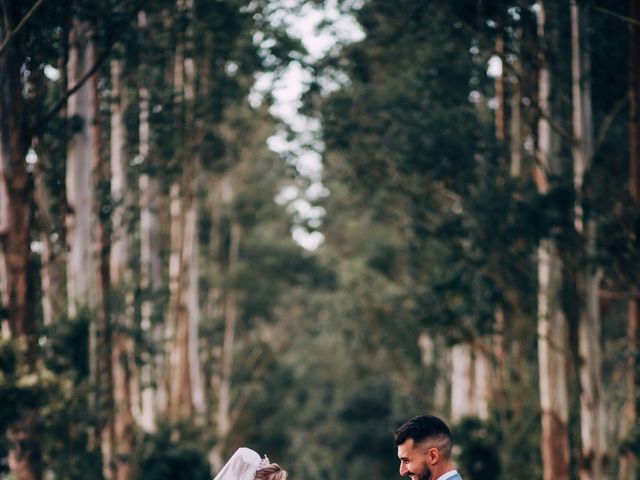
[[479, 450], [162, 457], [50, 396]]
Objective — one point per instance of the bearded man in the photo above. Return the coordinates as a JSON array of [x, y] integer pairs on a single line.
[[424, 448]]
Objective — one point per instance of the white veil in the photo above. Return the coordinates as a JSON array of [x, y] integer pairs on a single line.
[[241, 466]]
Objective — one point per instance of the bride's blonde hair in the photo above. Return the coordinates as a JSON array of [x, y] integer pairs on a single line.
[[271, 472]]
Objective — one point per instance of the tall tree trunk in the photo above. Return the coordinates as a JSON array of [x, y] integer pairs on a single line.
[[552, 358], [214, 307], [501, 112], [628, 461], [193, 310], [100, 336], [482, 378], [81, 108], [182, 389], [433, 353], [515, 117], [174, 296], [223, 415], [177, 240], [552, 324], [122, 353], [150, 272], [462, 379], [192, 298], [43, 201], [470, 381], [592, 416], [16, 191], [187, 393], [16, 196]]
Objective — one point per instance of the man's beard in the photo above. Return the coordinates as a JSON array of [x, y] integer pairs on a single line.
[[426, 475]]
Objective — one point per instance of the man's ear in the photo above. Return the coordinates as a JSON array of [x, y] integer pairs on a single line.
[[433, 455]]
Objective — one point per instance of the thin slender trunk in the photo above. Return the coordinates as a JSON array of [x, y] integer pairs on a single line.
[[192, 297], [123, 428], [498, 381], [44, 223], [592, 411], [150, 273], [182, 391], [223, 419], [193, 309], [120, 277], [501, 113], [214, 308], [515, 120], [552, 358], [552, 324], [177, 333], [101, 399], [581, 96], [482, 378], [628, 461], [174, 289]]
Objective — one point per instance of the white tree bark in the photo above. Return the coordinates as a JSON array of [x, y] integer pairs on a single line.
[[435, 355], [191, 261], [552, 358], [118, 254], [46, 259], [174, 286], [193, 309], [462, 380], [592, 407], [482, 382], [552, 325], [81, 108], [470, 381]]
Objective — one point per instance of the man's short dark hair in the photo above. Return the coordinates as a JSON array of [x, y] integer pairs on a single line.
[[423, 428]]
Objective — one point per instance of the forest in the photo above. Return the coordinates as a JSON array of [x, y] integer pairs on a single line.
[[449, 223]]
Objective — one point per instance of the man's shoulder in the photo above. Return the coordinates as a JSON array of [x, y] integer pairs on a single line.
[[452, 475]]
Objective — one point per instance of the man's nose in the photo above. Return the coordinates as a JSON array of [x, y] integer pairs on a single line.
[[403, 469]]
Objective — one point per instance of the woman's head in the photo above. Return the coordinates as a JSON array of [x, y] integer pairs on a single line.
[[271, 472]]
